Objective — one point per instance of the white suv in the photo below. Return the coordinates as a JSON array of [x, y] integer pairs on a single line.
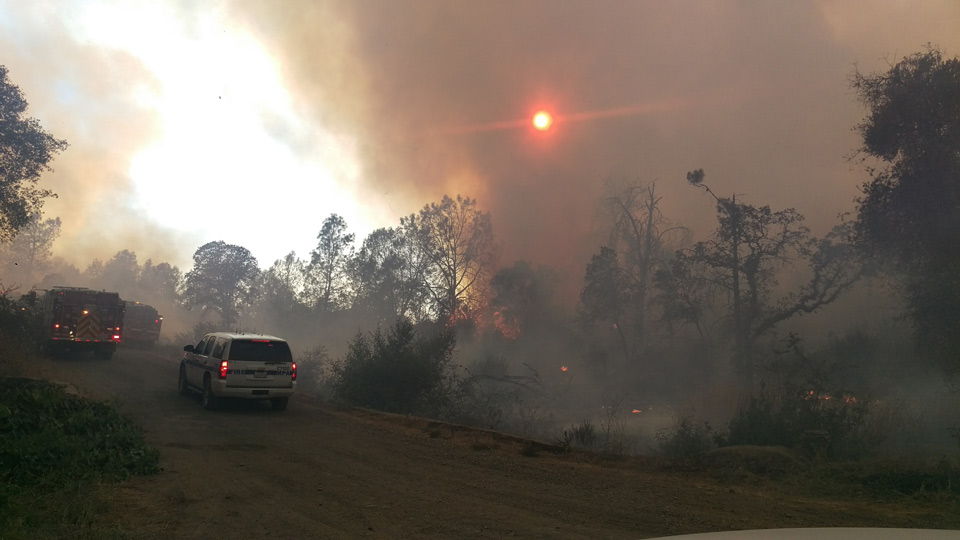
[[229, 365]]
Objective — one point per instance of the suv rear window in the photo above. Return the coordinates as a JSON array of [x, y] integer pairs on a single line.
[[262, 351]]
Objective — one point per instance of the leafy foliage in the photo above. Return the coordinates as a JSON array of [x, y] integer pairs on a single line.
[[688, 438], [790, 418], [909, 213], [389, 275], [397, 371], [222, 280], [18, 324], [523, 298], [54, 441], [328, 264], [25, 153]]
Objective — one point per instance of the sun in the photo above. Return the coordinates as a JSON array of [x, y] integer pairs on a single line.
[[542, 120]]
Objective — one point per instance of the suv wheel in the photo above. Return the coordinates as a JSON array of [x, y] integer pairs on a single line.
[[279, 403], [208, 400], [182, 382]]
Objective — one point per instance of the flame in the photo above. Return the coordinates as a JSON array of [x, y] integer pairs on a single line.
[[509, 327], [846, 398], [637, 411], [563, 369]]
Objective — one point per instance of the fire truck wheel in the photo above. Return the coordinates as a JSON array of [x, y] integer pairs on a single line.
[[208, 400], [182, 382]]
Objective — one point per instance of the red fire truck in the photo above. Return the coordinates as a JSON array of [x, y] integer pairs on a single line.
[[81, 319], [141, 325]]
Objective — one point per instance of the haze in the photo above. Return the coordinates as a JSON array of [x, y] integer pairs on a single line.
[[272, 116]]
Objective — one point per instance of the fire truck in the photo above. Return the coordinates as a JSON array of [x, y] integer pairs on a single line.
[[78, 319], [141, 325]]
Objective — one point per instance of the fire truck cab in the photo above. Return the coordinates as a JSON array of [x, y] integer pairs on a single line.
[[78, 319]]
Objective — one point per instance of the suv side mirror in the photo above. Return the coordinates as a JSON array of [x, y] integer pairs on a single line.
[[188, 348]]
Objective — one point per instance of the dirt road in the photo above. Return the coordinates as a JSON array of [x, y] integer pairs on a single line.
[[313, 471]]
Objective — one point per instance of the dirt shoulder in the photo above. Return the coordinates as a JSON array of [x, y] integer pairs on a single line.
[[313, 471]]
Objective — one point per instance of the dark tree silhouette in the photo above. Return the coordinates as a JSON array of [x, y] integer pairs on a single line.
[[328, 262], [25, 153], [222, 280], [909, 213], [458, 243], [742, 258]]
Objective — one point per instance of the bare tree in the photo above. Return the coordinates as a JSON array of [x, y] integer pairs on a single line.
[[620, 279]]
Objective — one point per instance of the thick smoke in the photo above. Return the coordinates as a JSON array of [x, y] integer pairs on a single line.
[[439, 94], [88, 96]]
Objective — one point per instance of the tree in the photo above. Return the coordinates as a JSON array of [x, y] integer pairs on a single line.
[[281, 290], [387, 276], [222, 280], [603, 295], [742, 259], [25, 153], [398, 371], [457, 240], [162, 280], [637, 234], [282, 283], [121, 273], [93, 272], [909, 213], [30, 251], [523, 298], [328, 264]]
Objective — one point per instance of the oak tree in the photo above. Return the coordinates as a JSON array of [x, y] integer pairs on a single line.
[[25, 153], [742, 260], [222, 280], [909, 212]]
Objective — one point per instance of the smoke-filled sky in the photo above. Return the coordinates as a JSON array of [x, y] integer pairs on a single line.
[[251, 122]]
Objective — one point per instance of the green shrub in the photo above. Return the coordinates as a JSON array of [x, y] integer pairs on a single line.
[[55, 447], [689, 437], [49, 435], [398, 371], [787, 419], [19, 331]]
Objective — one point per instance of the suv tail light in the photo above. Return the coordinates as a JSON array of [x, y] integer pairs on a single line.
[[293, 372], [223, 369]]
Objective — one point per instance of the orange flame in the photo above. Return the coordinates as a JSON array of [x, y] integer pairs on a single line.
[[509, 329], [563, 368]]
